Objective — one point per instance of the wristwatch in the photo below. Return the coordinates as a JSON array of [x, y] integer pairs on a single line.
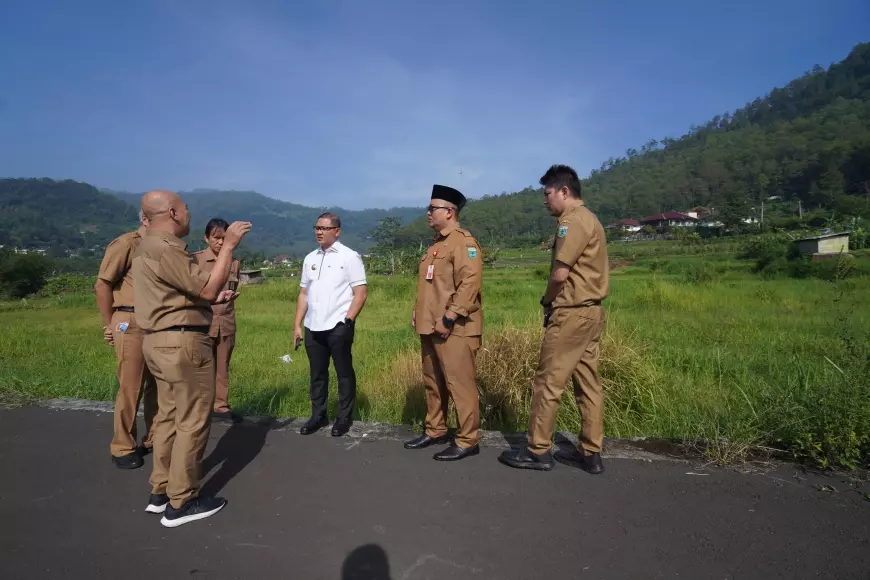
[[545, 304], [448, 322], [348, 321]]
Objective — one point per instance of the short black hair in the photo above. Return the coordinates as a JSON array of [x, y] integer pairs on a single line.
[[215, 224], [559, 176], [333, 219]]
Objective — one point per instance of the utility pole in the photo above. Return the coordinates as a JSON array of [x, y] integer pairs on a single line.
[[801, 210]]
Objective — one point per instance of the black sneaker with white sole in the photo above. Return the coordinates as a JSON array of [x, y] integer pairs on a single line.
[[157, 503], [195, 509]]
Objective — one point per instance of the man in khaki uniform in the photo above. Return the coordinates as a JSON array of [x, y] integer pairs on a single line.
[[573, 317], [173, 299], [223, 324], [449, 320], [114, 290]]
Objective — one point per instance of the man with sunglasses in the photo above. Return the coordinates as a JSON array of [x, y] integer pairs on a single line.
[[447, 315], [332, 291]]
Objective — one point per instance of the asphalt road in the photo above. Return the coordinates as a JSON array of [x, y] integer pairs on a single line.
[[365, 508]]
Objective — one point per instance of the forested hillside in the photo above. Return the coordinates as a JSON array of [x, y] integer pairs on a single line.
[[64, 216], [43, 213], [279, 226], [807, 143]]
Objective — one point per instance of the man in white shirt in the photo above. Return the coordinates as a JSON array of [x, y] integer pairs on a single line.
[[332, 292]]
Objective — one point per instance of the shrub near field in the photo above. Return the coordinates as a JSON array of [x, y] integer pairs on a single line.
[[695, 348]]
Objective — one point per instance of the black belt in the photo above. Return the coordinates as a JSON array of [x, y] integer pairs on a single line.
[[124, 309], [202, 329]]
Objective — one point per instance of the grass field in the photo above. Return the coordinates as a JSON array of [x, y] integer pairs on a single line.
[[723, 356]]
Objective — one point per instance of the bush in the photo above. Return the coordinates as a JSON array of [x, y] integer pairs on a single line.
[[764, 250], [22, 274], [701, 273], [67, 284]]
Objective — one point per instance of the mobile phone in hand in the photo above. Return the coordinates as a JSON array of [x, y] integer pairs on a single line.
[[298, 342]]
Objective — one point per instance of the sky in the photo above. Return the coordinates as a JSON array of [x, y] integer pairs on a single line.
[[367, 103]]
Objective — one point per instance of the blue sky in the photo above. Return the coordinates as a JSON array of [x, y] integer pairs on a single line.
[[366, 103]]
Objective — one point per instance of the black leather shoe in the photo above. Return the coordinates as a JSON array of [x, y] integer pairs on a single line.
[[129, 461], [574, 458], [425, 441], [455, 453], [340, 428], [313, 425], [525, 459], [143, 450]]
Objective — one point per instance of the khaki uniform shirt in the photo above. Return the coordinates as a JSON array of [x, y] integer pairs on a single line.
[[456, 272], [224, 315], [115, 269], [166, 284], [581, 245]]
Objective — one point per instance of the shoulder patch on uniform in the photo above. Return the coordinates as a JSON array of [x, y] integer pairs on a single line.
[[563, 231], [472, 252]]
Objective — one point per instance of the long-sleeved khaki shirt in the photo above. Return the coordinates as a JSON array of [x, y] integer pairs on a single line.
[[449, 278]]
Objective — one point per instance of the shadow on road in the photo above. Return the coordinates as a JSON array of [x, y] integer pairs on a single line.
[[368, 562], [236, 449]]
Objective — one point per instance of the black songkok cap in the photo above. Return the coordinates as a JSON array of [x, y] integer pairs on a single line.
[[448, 194]]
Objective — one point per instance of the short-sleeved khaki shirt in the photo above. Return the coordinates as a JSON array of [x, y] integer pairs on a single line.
[[223, 315], [455, 283], [115, 269], [581, 245], [167, 283]]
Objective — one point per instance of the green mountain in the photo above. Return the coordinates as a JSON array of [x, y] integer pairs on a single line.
[[67, 215], [807, 143], [43, 213], [279, 227]]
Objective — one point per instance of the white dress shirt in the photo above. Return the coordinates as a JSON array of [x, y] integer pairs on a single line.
[[330, 277]]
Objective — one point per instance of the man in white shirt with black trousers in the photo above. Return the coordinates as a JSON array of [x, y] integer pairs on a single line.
[[331, 294]]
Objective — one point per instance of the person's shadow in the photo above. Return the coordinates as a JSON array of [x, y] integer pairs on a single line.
[[368, 562], [236, 449]]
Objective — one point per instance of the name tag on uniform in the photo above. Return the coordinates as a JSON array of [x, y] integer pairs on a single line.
[[430, 272]]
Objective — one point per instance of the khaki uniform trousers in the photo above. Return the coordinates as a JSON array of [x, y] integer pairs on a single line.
[[570, 349], [223, 352], [449, 369], [183, 364], [135, 383]]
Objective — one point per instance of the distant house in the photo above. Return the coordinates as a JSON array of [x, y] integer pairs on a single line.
[[824, 246], [282, 259], [672, 219], [625, 225], [250, 277]]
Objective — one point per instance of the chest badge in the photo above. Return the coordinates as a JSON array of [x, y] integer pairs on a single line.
[[313, 266]]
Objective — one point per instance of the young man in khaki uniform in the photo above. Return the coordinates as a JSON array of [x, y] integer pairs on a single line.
[[449, 320], [573, 317], [114, 290], [173, 299], [223, 324]]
